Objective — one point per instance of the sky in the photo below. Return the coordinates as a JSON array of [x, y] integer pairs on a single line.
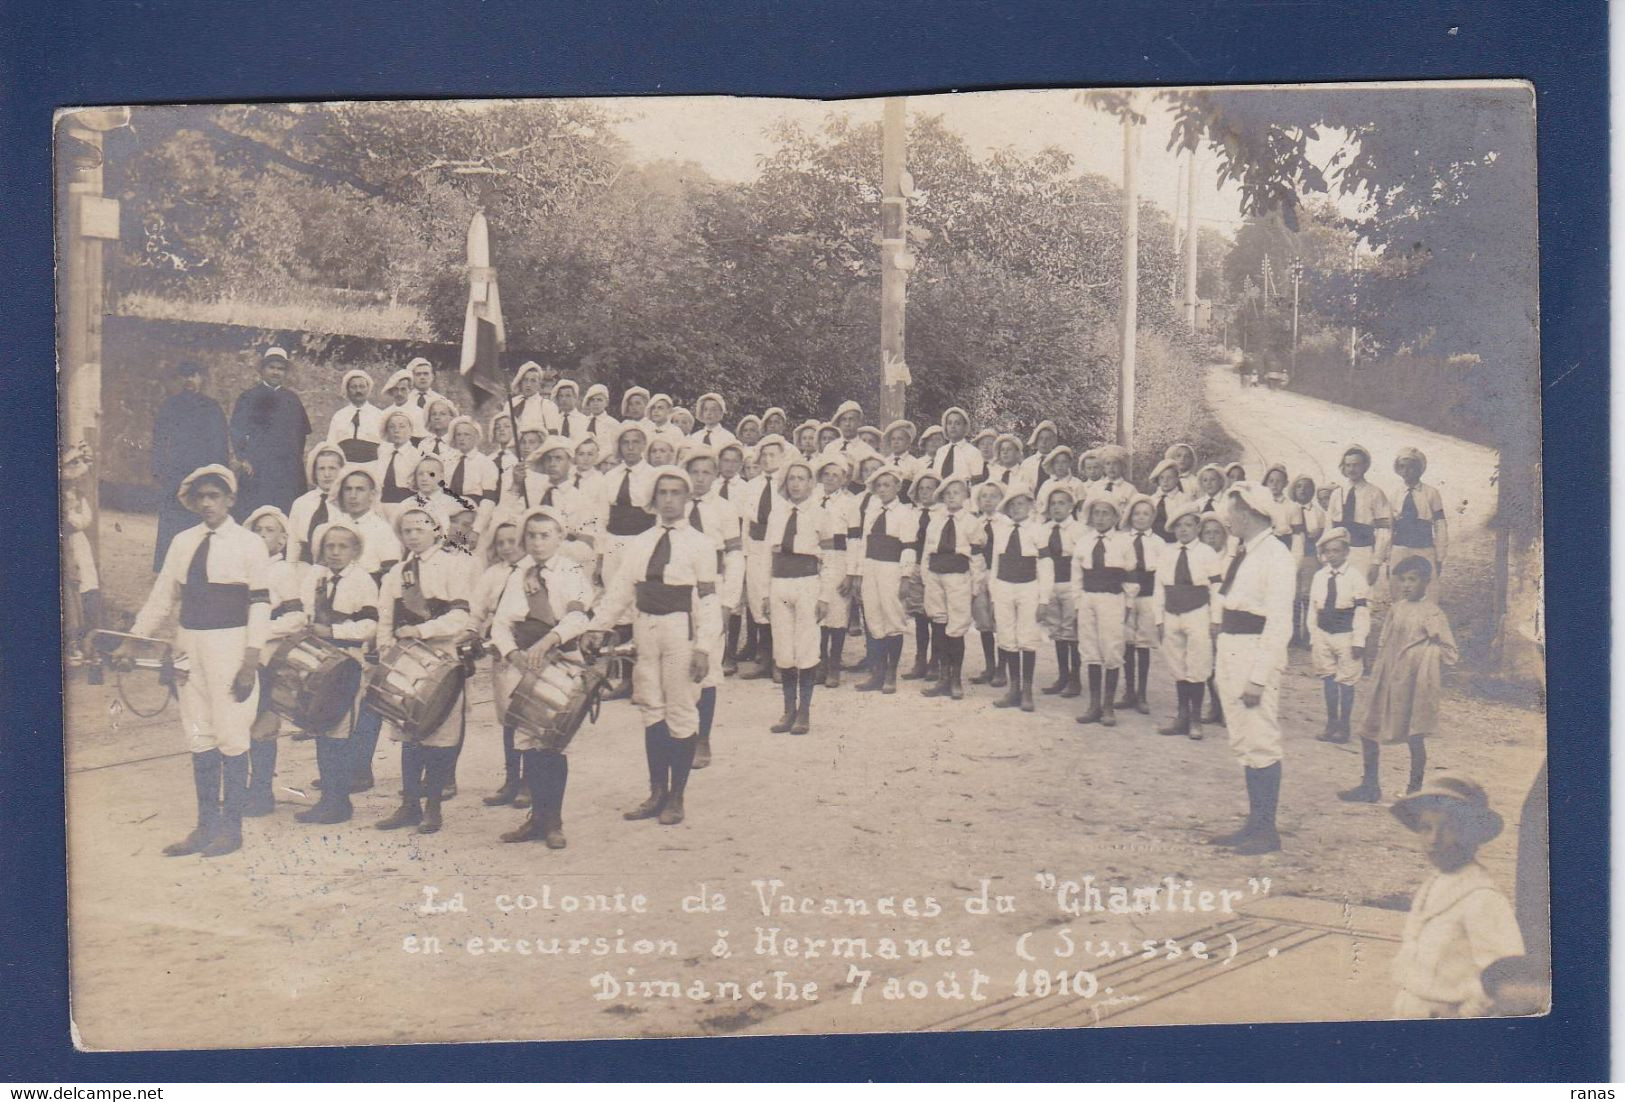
[[726, 136]]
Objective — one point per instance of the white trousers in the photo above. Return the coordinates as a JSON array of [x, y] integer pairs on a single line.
[[1333, 655], [1100, 629], [614, 548], [1187, 644], [758, 579], [661, 687], [793, 612], [211, 717], [1141, 628], [882, 598], [1015, 614], [1255, 733], [832, 570], [947, 601]]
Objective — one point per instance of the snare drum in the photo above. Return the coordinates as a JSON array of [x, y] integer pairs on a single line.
[[550, 706], [312, 683], [415, 687]]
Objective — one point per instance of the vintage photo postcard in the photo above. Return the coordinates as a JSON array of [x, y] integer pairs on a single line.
[[560, 569]]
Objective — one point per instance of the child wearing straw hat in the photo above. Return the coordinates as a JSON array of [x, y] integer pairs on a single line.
[[1167, 495], [1058, 534], [833, 472], [886, 553], [1040, 442], [1006, 464], [1182, 609], [949, 550], [1102, 560], [1460, 922], [1140, 628], [957, 455], [986, 496], [925, 658], [1339, 622]]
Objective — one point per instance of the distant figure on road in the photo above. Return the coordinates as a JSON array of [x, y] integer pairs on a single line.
[[189, 432], [268, 430]]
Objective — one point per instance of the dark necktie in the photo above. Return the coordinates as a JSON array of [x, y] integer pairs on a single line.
[[1097, 559], [317, 519], [1331, 590], [1005, 478], [763, 506], [723, 493], [1012, 549], [624, 496], [592, 424], [1139, 553], [547, 498], [1348, 507], [660, 557], [879, 528], [457, 475], [1053, 548], [324, 600], [1182, 568], [1407, 511], [564, 425], [948, 463], [539, 605], [708, 438], [197, 573], [390, 482], [1159, 522], [788, 543], [577, 482], [1109, 485], [423, 399], [412, 586], [437, 445], [948, 544], [355, 422], [987, 544], [1230, 575], [1209, 507], [844, 443], [694, 518]]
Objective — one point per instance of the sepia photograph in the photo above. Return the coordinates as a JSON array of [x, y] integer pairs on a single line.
[[562, 569]]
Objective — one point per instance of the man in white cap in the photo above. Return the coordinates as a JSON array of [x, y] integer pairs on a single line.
[[668, 582], [420, 394], [357, 426], [571, 423], [756, 507], [217, 575], [268, 430], [709, 433], [534, 409], [958, 455], [1255, 627], [848, 420]]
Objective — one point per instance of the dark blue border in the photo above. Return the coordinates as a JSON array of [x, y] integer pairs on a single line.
[[59, 52]]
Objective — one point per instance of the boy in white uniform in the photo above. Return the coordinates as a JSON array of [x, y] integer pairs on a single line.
[[1339, 623], [600, 425], [756, 506], [421, 394], [958, 455], [709, 433], [1102, 559], [288, 617], [885, 552], [1058, 534], [217, 573], [312, 509], [1140, 628], [1183, 609], [715, 517], [952, 539], [1021, 583], [535, 411], [833, 474], [798, 532], [669, 576]]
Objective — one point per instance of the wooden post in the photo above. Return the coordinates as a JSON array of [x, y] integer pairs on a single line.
[[1127, 325], [91, 219], [1190, 245], [895, 259]]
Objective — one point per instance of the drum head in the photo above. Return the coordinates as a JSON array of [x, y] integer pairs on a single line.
[[332, 693]]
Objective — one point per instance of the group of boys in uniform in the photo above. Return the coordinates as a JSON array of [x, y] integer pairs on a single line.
[[753, 553]]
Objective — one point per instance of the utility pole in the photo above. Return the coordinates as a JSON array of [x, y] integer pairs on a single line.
[[92, 219], [1127, 322], [895, 259], [1190, 244], [1296, 268]]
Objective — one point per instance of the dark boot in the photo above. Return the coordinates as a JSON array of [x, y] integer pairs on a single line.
[[894, 655], [875, 663], [1094, 712], [832, 668], [1368, 791], [764, 667], [1334, 712], [363, 745], [1128, 699], [1108, 716], [681, 751], [1215, 711], [1419, 763], [1010, 674], [410, 813], [654, 749], [1264, 838], [531, 829], [555, 771], [1345, 695], [991, 667], [1061, 677], [1236, 837], [261, 800], [789, 682], [1142, 701], [1195, 689], [1029, 667], [708, 715], [333, 761], [510, 773], [234, 782], [1182, 722], [922, 648], [1074, 673], [439, 773], [941, 659], [803, 723], [753, 633], [730, 647], [956, 651], [206, 783]]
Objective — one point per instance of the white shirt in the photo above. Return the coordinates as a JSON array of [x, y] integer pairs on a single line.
[[719, 437], [1459, 924], [1352, 593], [379, 548], [352, 599], [902, 522], [442, 577], [1206, 568], [1265, 583], [236, 557], [343, 425], [968, 460], [693, 563], [569, 597]]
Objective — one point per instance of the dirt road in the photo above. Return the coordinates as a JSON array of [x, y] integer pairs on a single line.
[[306, 937]]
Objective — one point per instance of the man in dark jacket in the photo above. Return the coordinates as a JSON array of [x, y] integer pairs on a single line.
[[268, 430], [189, 432]]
